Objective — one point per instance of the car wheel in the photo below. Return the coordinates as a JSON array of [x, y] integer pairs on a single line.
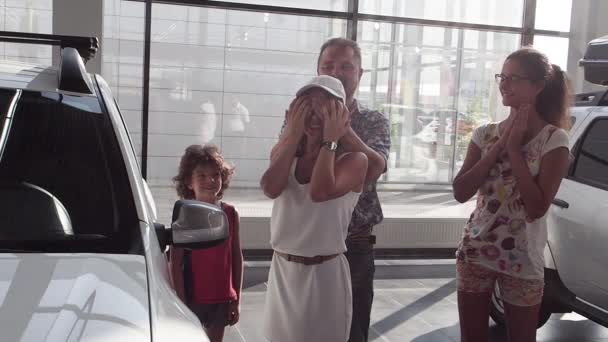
[[497, 310]]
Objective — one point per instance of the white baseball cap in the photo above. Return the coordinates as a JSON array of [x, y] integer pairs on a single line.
[[330, 84]]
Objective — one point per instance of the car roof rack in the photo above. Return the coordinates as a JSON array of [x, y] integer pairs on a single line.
[[87, 46], [75, 52], [595, 61]]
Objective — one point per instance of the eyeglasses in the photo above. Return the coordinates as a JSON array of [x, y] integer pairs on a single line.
[[511, 79]]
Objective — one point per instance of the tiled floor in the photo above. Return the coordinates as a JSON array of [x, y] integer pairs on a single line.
[[415, 301]]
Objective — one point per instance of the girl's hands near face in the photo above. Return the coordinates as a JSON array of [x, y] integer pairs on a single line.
[[518, 129], [504, 135]]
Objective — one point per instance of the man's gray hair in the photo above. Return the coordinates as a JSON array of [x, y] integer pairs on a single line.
[[341, 42]]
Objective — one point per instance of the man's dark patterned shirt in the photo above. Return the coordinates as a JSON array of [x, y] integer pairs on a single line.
[[374, 130]]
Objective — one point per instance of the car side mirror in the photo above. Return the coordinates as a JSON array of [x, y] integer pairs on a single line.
[[198, 225]]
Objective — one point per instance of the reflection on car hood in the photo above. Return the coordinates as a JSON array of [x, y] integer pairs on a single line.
[[73, 297]]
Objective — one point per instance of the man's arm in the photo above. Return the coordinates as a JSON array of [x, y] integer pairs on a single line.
[[376, 149]]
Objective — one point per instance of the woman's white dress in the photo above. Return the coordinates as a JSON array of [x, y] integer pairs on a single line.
[[309, 302]]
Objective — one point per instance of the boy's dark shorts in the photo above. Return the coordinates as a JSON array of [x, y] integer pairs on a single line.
[[211, 315]]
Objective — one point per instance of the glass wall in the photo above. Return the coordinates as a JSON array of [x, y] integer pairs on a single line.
[[435, 85], [553, 15], [32, 16], [556, 48], [226, 77], [325, 5], [122, 61], [489, 12]]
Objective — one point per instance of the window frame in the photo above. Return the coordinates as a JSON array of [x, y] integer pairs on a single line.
[[577, 153], [121, 205]]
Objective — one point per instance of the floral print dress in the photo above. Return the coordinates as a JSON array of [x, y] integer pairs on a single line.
[[499, 235]]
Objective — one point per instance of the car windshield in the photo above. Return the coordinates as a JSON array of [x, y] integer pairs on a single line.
[[63, 184]]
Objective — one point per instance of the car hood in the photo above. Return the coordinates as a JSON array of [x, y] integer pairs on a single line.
[[73, 297]]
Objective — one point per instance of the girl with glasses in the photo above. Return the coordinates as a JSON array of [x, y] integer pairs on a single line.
[[515, 167]]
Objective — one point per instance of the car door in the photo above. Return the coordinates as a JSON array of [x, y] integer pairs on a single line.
[[578, 219]]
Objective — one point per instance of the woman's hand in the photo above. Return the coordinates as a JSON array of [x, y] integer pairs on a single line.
[[296, 116], [518, 131], [335, 120]]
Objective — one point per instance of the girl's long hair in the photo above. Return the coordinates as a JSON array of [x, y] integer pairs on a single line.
[[554, 101]]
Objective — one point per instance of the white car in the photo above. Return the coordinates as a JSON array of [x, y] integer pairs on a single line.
[[576, 256], [80, 258]]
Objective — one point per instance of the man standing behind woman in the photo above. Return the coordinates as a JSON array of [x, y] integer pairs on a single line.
[[516, 167], [314, 191], [368, 133]]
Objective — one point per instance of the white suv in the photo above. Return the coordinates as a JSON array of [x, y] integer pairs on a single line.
[[576, 256], [80, 259]]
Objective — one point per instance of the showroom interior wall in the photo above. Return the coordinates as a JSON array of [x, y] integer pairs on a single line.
[[226, 75]]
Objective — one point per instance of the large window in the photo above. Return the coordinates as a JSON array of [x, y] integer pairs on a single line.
[[556, 49], [493, 12], [122, 68], [327, 5], [435, 85], [226, 77], [33, 16], [553, 14]]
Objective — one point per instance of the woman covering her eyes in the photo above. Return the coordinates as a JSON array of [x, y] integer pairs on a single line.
[[315, 191]]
